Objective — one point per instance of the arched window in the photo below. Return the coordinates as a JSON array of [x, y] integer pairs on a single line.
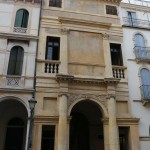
[[21, 20], [140, 48], [14, 134], [15, 61], [145, 78], [139, 40]]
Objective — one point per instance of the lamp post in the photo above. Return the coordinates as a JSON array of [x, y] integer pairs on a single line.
[[32, 103]]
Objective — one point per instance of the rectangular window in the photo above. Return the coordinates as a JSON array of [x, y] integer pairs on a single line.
[[111, 10], [116, 54], [48, 137], [123, 138], [55, 3], [132, 18], [52, 48]]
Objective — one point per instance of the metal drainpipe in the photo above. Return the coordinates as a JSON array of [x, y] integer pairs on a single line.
[[29, 145], [34, 82]]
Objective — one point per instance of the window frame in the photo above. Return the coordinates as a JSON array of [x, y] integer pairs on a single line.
[[54, 48], [55, 133], [14, 71], [54, 3], [143, 94], [121, 56], [113, 6], [22, 18]]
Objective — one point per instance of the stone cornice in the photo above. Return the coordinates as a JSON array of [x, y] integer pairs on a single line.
[[18, 36], [75, 79], [74, 21], [123, 121], [17, 90], [135, 7], [47, 119]]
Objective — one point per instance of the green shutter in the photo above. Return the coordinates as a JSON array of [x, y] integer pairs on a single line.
[[18, 19]]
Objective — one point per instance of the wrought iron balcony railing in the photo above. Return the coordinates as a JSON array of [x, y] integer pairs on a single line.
[[11, 81], [20, 30], [142, 53], [145, 91], [136, 23]]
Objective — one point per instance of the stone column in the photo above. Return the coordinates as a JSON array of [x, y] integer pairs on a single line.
[[62, 125], [107, 56], [113, 128], [63, 69], [37, 134], [106, 135]]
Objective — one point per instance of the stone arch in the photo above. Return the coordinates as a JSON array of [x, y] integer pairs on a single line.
[[100, 101], [16, 98]]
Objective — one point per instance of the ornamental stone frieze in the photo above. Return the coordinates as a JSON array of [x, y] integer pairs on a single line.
[[102, 99], [64, 31]]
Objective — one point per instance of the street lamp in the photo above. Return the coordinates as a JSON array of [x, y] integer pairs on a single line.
[[32, 103]]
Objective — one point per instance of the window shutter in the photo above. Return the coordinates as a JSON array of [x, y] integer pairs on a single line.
[[25, 19], [15, 61], [18, 19]]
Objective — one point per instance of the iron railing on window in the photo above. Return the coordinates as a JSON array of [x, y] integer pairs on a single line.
[[145, 91], [55, 3], [142, 52], [136, 23]]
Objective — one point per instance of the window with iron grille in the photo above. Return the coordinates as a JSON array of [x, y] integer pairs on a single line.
[[111, 10], [55, 3], [48, 137]]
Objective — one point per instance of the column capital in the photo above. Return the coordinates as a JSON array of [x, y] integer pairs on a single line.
[[105, 36], [111, 96], [63, 94], [64, 31]]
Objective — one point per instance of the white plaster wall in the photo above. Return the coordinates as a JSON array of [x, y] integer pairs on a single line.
[[7, 17], [6, 11], [138, 110], [35, 21], [133, 68], [141, 15], [145, 145]]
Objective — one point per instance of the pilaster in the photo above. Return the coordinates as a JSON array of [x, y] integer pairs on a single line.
[[64, 51], [107, 56]]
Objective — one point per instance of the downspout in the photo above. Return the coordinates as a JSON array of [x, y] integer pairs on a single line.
[[34, 82]]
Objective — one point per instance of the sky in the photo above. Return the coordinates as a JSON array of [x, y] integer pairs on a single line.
[[138, 2]]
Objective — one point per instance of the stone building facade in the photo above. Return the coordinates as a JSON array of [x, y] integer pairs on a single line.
[[136, 31], [19, 23], [81, 80]]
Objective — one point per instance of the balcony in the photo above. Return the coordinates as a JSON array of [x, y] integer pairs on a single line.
[[136, 23], [142, 53], [26, 1], [13, 81], [119, 72], [20, 30], [145, 91], [49, 66]]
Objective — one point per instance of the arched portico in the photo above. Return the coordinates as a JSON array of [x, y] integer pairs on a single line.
[[86, 126], [13, 124]]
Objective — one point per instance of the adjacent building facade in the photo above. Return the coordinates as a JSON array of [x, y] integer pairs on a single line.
[[81, 80], [18, 44], [136, 30]]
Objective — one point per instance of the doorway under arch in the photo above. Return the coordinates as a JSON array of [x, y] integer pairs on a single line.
[[86, 127], [13, 118]]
